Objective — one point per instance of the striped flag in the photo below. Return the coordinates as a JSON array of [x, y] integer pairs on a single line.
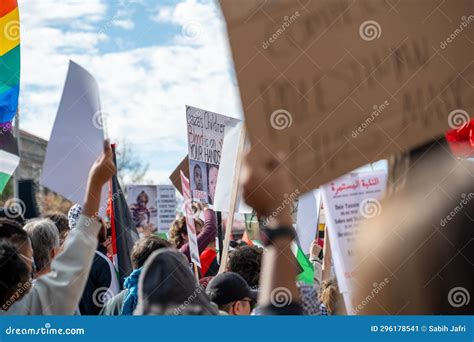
[[124, 233], [9, 157], [9, 59]]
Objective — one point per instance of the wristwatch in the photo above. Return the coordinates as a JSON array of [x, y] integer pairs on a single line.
[[268, 235]]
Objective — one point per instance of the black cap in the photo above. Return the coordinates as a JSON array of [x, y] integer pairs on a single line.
[[229, 287]]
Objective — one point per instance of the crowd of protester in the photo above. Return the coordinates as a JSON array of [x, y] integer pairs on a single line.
[[61, 265]]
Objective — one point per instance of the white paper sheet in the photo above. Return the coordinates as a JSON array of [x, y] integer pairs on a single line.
[[77, 137], [307, 219], [227, 171]]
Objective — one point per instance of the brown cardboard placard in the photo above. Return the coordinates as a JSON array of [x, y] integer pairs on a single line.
[[336, 84], [175, 176]]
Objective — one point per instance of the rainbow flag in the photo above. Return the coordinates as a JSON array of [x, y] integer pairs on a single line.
[[9, 59]]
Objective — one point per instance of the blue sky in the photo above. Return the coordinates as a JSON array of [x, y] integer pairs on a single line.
[[151, 58]]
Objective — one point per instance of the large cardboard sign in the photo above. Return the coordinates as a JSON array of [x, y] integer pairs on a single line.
[[175, 176], [206, 132], [339, 83], [347, 201]]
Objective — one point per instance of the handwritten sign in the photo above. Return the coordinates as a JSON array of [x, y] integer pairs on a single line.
[[205, 141], [347, 201], [339, 83]]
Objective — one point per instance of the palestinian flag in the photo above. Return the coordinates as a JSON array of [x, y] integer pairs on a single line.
[[9, 59], [306, 274], [124, 233], [9, 156]]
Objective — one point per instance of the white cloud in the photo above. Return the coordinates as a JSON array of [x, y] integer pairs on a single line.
[[200, 23], [144, 90], [126, 24], [51, 12]]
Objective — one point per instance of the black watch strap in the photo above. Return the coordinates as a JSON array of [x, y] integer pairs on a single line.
[[268, 235]]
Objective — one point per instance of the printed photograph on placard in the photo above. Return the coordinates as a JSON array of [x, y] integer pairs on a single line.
[[212, 172], [198, 175], [141, 200]]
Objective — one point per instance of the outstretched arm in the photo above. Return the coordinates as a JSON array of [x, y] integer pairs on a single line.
[[59, 292], [266, 189], [207, 234]]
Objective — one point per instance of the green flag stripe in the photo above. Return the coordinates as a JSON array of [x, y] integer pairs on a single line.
[[10, 69], [3, 180], [307, 273]]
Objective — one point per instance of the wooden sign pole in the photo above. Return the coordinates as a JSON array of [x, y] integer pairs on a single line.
[[196, 272], [327, 260]]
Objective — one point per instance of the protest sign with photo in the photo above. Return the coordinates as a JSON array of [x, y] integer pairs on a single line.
[[166, 206], [205, 141], [347, 201], [335, 84], [191, 228], [142, 200]]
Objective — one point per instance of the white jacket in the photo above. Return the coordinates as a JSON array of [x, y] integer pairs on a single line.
[[59, 292]]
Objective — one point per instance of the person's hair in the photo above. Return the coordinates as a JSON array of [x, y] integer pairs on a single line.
[[44, 237], [226, 307], [329, 294], [61, 222], [246, 261], [102, 236], [59, 219], [13, 232], [144, 195], [12, 265], [178, 227], [144, 247]]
